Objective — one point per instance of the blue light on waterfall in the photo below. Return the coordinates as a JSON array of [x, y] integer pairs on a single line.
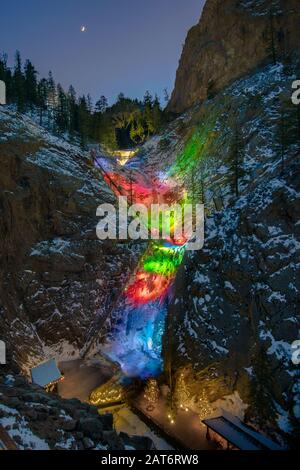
[[137, 344]]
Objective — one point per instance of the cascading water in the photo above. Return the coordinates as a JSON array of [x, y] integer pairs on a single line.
[[139, 318], [136, 339]]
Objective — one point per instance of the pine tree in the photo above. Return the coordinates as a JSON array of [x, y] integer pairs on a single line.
[[151, 394], [262, 386], [89, 104], [30, 84], [170, 408], [121, 98], [73, 112], [166, 96], [157, 115], [42, 98], [83, 120], [51, 99], [101, 105], [148, 116], [235, 160], [181, 393], [275, 38], [282, 133], [127, 122], [107, 134], [203, 404], [19, 83], [61, 111], [288, 129]]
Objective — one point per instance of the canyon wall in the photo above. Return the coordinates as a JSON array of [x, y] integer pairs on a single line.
[[231, 39], [57, 280], [235, 309]]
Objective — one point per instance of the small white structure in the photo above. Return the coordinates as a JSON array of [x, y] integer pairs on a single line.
[[46, 374], [2, 92]]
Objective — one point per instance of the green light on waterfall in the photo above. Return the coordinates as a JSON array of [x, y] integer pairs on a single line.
[[164, 263], [194, 151]]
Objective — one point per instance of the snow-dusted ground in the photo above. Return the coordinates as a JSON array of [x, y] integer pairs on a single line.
[[17, 427], [126, 421]]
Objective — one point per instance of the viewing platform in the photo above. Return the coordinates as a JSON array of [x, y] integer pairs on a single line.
[[186, 432]]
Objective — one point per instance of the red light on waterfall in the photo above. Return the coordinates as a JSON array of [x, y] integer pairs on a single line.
[[178, 241], [140, 193], [144, 191], [147, 287]]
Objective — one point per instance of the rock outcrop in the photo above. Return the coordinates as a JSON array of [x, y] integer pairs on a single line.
[[231, 39], [37, 420], [57, 280], [235, 312]]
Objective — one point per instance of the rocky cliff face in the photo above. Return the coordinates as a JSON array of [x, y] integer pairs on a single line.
[[235, 311], [40, 421], [231, 39], [58, 280]]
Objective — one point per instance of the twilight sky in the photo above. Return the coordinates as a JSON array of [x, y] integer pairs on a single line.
[[129, 45]]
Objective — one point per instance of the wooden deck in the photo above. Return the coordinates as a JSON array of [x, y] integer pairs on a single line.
[[186, 433]]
